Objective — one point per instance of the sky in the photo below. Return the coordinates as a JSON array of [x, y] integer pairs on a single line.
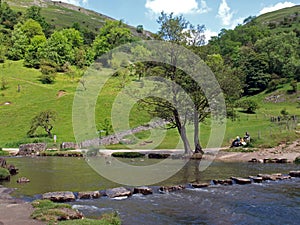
[[214, 14]]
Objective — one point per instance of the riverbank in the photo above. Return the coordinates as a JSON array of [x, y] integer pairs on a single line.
[[283, 151], [286, 151], [15, 211]]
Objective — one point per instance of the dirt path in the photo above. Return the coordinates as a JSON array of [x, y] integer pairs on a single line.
[[15, 211]]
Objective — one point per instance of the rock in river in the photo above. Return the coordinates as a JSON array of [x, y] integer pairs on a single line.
[[89, 195], [143, 190], [199, 185], [239, 180], [66, 196], [118, 192], [295, 173]]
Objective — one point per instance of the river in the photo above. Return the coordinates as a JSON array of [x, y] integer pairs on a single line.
[[274, 202]]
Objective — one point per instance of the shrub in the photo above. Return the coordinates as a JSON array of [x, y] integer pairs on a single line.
[[3, 153], [297, 160], [248, 105], [128, 155], [4, 174], [140, 29]]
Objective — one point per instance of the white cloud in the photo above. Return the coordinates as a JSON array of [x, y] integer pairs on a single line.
[[76, 2], [209, 34], [236, 22], [225, 13], [278, 6], [177, 6]]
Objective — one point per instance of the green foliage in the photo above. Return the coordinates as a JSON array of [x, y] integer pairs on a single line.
[[44, 120], [61, 153], [45, 210], [128, 155], [105, 127], [248, 105], [34, 13], [105, 219], [3, 153], [4, 84], [140, 29], [27, 38], [3, 49], [297, 160], [8, 17], [4, 174], [111, 35], [32, 57], [48, 71], [294, 86]]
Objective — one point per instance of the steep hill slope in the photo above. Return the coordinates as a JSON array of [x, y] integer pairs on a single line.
[[60, 14]]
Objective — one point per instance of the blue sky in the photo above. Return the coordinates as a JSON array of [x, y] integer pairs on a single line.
[[214, 14]]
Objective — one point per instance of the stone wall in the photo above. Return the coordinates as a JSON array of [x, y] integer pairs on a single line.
[[69, 145], [119, 137], [32, 149]]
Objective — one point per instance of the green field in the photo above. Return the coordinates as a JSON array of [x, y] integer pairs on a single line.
[[18, 108]]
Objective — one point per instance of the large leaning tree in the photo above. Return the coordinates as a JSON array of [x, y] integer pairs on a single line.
[[44, 120], [181, 87]]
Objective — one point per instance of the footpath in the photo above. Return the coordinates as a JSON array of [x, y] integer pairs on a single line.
[[15, 211]]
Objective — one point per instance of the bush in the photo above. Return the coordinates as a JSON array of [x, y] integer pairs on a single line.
[[3, 153], [297, 160], [128, 155], [248, 105], [4, 174], [47, 210], [106, 219]]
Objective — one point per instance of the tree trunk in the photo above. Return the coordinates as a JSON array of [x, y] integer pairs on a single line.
[[48, 130], [186, 144], [198, 148], [182, 133]]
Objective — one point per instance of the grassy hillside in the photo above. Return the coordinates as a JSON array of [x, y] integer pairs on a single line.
[[63, 15], [18, 108], [283, 19]]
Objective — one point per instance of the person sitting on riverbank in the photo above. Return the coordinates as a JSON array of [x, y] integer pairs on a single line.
[[236, 142], [247, 137]]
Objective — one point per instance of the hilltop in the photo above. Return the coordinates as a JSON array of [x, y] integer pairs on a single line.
[[64, 15]]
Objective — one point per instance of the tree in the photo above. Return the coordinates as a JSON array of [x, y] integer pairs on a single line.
[[32, 56], [175, 108], [34, 12], [248, 105], [25, 37], [61, 47], [44, 120], [8, 17], [140, 29], [48, 71], [111, 35], [2, 48]]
